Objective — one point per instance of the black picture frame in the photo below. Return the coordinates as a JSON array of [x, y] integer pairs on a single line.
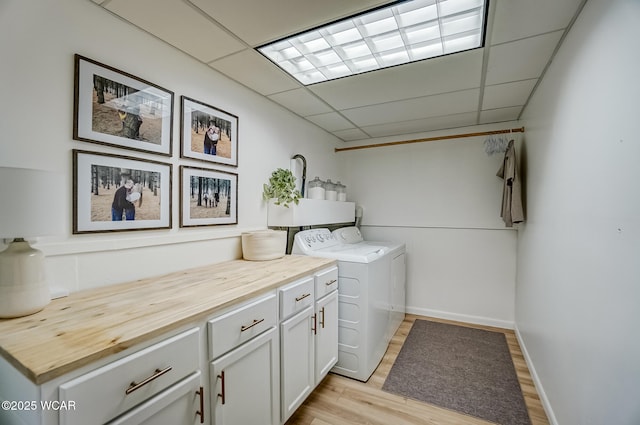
[[119, 193], [198, 120], [114, 108], [207, 197]]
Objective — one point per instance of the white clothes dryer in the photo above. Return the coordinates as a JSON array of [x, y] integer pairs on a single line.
[[396, 267]]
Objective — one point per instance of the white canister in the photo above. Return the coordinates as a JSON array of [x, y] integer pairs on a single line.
[[342, 191], [315, 189], [330, 192]]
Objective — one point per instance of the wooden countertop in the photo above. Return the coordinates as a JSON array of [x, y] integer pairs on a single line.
[[89, 325]]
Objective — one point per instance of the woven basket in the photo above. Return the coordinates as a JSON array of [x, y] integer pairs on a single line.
[[264, 245]]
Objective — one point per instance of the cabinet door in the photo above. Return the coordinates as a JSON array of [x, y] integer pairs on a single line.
[[245, 383], [297, 341], [326, 336], [182, 403]]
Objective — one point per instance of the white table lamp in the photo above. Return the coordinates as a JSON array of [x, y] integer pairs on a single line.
[[28, 208]]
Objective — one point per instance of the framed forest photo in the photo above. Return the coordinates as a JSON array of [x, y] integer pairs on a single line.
[[207, 197], [114, 108], [117, 193], [208, 133]]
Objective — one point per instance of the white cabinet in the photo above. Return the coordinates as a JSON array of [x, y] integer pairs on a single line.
[[297, 345], [297, 328], [254, 362], [175, 405], [245, 383], [308, 336], [103, 394], [326, 343], [245, 371], [240, 324], [326, 307]]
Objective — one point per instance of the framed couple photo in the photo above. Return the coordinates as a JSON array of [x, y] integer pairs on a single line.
[[208, 133], [118, 193]]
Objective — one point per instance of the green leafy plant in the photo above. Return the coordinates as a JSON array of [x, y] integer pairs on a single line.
[[282, 188]]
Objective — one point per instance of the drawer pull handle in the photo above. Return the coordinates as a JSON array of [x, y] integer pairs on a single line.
[[331, 282], [322, 320], [221, 394], [314, 326], [200, 412], [255, 322], [302, 297], [134, 386]]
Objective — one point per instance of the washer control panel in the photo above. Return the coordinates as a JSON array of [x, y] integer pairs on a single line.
[[310, 240], [348, 235]]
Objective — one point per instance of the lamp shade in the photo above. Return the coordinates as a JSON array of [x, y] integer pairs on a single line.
[[30, 202]]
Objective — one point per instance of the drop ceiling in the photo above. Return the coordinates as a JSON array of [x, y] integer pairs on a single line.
[[481, 86]]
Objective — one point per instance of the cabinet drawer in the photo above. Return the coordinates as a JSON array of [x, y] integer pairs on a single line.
[[296, 296], [239, 325], [105, 393], [326, 281], [179, 404]]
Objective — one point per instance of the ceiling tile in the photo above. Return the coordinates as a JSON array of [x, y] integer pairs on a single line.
[[433, 76], [521, 60], [542, 16], [418, 126], [258, 22], [254, 71], [423, 96], [500, 115], [331, 121], [300, 101], [507, 94], [351, 134], [412, 109], [178, 24]]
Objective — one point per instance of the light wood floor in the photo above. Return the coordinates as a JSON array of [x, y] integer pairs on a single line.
[[343, 401]]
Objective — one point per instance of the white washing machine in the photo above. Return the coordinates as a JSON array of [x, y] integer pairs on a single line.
[[395, 254], [363, 299]]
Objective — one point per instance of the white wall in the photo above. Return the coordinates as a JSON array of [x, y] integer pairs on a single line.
[[38, 40], [578, 290], [443, 200]]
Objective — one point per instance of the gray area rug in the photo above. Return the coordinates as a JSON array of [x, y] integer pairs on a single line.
[[462, 369]]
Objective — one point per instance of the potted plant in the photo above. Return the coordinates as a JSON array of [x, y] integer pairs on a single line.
[[281, 188]]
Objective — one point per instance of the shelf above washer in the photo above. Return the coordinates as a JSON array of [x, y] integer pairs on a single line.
[[310, 212]]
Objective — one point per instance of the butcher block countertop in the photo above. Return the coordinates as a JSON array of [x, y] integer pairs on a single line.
[[89, 325]]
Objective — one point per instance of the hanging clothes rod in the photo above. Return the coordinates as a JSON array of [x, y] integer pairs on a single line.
[[432, 139]]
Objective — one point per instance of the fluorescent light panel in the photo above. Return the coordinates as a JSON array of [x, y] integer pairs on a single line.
[[404, 32]]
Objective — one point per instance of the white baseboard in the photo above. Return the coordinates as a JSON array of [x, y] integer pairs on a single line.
[[478, 320], [536, 380]]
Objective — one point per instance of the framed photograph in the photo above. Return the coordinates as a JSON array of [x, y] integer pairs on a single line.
[[114, 108], [208, 134], [117, 193], [207, 197]]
